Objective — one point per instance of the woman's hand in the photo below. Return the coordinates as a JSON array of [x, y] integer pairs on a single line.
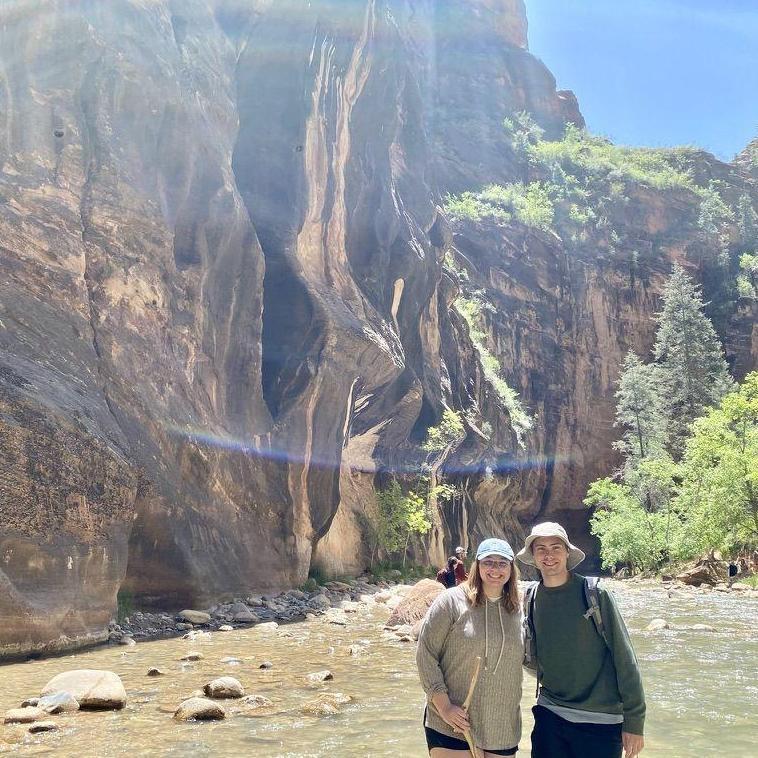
[[456, 717]]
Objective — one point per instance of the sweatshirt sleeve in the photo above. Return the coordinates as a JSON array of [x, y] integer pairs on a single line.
[[437, 624], [627, 669]]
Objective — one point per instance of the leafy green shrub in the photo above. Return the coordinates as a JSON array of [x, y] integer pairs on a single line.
[[471, 309], [124, 605]]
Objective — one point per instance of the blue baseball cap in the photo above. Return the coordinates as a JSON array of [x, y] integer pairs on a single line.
[[494, 546]]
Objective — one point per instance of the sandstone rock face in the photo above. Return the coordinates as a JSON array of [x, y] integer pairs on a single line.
[[223, 311]]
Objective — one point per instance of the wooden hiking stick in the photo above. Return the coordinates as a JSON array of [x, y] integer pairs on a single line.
[[467, 702]]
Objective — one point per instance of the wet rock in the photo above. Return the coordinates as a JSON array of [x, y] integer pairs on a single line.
[[59, 702], [354, 650], [43, 726], [183, 627], [656, 625], [195, 617], [266, 665], [320, 676], [23, 715], [199, 709], [155, 672], [92, 688], [255, 600], [254, 701], [226, 628], [224, 687], [193, 655], [703, 628], [231, 661], [319, 603], [30, 702], [127, 641], [197, 635], [245, 617], [414, 605]]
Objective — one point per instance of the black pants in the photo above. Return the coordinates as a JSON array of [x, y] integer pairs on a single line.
[[554, 737]]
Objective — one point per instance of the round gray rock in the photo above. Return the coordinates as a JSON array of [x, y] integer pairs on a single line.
[[195, 617]]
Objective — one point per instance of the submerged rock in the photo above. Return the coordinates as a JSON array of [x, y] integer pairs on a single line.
[[656, 625], [43, 726], [23, 715]]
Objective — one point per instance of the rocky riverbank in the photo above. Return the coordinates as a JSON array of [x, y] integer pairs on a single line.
[[335, 598]]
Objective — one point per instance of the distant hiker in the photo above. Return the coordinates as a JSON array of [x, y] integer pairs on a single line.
[[460, 570], [480, 618], [590, 698], [733, 569], [446, 576]]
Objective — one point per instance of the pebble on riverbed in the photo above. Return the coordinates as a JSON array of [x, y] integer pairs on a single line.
[[320, 676]]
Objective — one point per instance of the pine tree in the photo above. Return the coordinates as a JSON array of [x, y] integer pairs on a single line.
[[691, 368], [639, 409]]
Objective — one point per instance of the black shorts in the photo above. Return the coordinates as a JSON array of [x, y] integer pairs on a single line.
[[437, 739]]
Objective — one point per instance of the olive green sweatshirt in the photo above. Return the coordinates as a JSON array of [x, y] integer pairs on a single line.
[[577, 670]]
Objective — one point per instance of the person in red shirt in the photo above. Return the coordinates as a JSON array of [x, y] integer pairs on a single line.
[[460, 569]]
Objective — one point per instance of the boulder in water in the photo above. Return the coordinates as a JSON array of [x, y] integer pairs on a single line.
[[224, 687], [415, 604], [92, 688], [199, 709], [708, 570]]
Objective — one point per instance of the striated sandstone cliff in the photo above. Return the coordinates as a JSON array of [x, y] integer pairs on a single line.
[[223, 309]]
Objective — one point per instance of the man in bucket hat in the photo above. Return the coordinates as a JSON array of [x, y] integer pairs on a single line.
[[590, 699]]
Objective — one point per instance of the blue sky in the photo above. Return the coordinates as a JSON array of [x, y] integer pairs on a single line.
[[656, 72]]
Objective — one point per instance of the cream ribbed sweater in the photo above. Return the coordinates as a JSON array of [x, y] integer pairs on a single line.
[[452, 636]]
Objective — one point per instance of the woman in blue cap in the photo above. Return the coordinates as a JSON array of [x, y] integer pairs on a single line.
[[479, 618]]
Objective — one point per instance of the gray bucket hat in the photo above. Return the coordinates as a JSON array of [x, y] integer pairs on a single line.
[[550, 529]]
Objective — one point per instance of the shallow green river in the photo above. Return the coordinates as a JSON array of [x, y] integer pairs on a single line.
[[702, 688]]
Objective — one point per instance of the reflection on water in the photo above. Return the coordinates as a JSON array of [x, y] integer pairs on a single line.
[[702, 688]]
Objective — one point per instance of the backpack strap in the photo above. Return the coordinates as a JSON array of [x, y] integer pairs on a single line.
[[530, 641], [592, 600]]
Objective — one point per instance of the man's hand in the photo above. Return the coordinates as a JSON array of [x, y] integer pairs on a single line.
[[456, 717], [633, 744]]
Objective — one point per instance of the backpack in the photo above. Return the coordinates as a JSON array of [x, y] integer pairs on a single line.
[[446, 578], [591, 600]]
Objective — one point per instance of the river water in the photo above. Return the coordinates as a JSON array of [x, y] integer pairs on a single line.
[[702, 688]]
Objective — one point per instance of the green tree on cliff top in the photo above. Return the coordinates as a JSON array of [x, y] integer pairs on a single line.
[[691, 368]]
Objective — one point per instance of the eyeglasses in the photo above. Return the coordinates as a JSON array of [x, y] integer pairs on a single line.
[[499, 565]]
